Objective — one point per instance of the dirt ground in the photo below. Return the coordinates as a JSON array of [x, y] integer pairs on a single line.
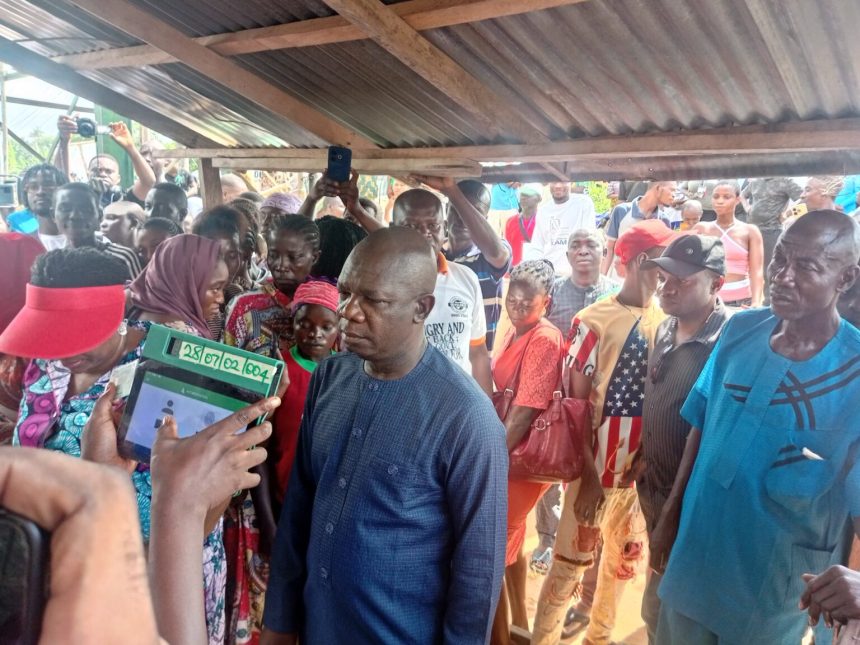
[[629, 628]]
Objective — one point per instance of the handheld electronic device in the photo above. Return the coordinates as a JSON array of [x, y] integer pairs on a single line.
[[339, 163], [24, 559], [197, 381]]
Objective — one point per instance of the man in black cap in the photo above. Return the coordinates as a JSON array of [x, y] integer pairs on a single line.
[[691, 272]]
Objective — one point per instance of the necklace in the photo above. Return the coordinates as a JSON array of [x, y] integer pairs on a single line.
[[632, 313]]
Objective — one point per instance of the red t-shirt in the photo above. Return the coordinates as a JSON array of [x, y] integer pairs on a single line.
[[514, 235], [288, 418]]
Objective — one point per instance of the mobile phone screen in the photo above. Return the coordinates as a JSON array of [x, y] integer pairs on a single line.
[[23, 587]]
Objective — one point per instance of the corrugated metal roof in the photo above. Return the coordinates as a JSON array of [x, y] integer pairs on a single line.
[[601, 67]]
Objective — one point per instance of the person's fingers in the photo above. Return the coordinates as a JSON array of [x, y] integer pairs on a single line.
[[241, 418], [102, 408], [248, 480], [62, 482], [253, 436], [168, 429], [814, 612], [816, 582]]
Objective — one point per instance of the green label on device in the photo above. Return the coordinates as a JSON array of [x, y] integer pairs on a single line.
[[227, 362]]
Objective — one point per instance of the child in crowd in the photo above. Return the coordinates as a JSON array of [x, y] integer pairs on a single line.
[[315, 327]]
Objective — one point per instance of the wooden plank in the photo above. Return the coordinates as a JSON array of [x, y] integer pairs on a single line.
[[144, 26], [436, 167], [419, 14], [210, 184], [45, 104], [689, 167], [30, 63], [798, 136], [392, 33]]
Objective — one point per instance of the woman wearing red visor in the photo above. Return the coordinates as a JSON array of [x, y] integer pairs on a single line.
[[73, 327]]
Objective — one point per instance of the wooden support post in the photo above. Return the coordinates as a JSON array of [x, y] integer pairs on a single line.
[[210, 184]]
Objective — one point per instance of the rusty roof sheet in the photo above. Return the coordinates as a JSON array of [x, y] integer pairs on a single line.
[[599, 67]]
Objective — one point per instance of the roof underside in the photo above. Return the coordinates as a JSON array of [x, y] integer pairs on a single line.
[[588, 69]]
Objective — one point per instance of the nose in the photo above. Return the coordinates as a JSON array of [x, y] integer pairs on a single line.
[[349, 309]]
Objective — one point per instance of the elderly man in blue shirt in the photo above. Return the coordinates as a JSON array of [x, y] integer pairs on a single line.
[[393, 528], [770, 470]]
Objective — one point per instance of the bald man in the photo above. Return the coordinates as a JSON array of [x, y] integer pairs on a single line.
[[769, 480], [232, 185], [457, 326], [393, 528]]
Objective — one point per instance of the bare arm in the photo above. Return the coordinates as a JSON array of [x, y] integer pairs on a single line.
[[315, 194], [591, 496], [756, 260], [606, 262], [145, 177], [348, 193], [191, 477], [517, 423], [483, 235], [66, 126], [670, 517], [479, 357]]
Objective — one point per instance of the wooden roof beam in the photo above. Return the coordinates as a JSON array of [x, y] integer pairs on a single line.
[[461, 168], [799, 136], [140, 24], [395, 35], [418, 14], [33, 64]]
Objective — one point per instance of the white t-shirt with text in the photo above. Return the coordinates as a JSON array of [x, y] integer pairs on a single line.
[[457, 321], [554, 224]]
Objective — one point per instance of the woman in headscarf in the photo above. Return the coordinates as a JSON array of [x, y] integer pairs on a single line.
[[277, 205], [72, 326], [183, 284], [17, 254], [528, 362]]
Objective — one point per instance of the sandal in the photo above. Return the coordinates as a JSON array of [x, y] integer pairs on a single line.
[[574, 623], [541, 560]]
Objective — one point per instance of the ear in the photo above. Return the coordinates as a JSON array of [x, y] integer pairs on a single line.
[[183, 212], [848, 278], [317, 255], [423, 306], [717, 283]]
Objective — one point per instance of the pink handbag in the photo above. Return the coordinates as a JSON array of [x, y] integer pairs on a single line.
[[551, 450]]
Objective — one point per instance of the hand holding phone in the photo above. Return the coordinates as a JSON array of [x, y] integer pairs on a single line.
[[339, 163]]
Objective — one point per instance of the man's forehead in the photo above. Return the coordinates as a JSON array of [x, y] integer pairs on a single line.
[[817, 247], [423, 213], [584, 236]]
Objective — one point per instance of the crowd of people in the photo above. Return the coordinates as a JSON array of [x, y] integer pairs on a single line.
[[375, 504]]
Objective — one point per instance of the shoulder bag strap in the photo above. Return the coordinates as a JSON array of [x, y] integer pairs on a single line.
[[526, 236], [514, 381]]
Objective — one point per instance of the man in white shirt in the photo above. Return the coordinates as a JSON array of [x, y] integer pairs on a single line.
[[555, 222], [456, 326]]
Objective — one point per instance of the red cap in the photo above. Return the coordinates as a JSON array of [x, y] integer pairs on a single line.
[[59, 323], [642, 236], [316, 292]]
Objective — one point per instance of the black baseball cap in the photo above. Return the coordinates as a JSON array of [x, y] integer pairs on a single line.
[[690, 254]]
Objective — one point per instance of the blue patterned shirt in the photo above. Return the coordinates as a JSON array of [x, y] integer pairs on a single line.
[[394, 525], [774, 485]]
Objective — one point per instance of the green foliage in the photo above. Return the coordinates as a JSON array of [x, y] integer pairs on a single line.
[[20, 158]]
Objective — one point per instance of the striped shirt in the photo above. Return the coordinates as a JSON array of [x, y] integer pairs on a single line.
[[126, 255], [672, 372], [490, 279], [568, 299], [610, 343]]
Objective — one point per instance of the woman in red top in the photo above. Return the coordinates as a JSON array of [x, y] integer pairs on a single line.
[[315, 329], [534, 346], [519, 229]]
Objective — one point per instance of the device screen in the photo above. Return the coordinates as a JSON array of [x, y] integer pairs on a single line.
[[196, 402], [23, 568]]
